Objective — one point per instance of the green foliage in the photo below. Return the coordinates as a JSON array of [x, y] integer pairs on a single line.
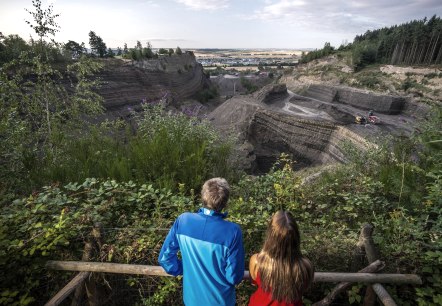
[[411, 83], [43, 22], [175, 148], [363, 55], [97, 44], [11, 48], [312, 55], [33, 125], [414, 42], [110, 53], [370, 79], [408, 43], [178, 51], [329, 211], [248, 85], [207, 93], [167, 149], [74, 49], [50, 225]]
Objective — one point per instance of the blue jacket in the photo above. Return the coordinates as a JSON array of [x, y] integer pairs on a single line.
[[212, 255]]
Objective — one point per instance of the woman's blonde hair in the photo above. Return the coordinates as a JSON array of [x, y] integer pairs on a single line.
[[215, 193], [283, 271]]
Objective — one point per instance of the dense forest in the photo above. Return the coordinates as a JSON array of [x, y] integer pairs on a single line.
[[62, 172], [418, 42]]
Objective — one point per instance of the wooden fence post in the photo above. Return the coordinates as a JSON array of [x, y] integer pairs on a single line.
[[93, 291], [373, 267], [87, 256], [366, 242]]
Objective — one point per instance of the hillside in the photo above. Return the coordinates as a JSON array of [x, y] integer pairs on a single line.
[[126, 84]]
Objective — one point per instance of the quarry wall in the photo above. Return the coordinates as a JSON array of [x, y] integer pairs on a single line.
[[386, 104]]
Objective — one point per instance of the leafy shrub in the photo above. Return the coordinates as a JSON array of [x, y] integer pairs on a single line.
[[410, 83], [248, 85], [370, 80], [53, 223], [363, 55], [207, 94], [433, 75], [167, 149]]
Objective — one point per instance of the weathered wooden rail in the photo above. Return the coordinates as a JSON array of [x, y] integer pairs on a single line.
[[366, 275], [322, 277]]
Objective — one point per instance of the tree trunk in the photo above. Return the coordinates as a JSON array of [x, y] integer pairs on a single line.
[[414, 53], [428, 49], [394, 56], [421, 53], [434, 49], [439, 55]]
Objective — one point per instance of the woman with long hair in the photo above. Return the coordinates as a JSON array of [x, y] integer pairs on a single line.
[[279, 270]]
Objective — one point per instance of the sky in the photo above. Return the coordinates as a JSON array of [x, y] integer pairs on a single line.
[[294, 24]]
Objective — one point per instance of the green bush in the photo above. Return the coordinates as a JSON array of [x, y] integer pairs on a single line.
[[167, 149], [207, 94], [53, 223], [370, 80], [363, 55], [248, 85]]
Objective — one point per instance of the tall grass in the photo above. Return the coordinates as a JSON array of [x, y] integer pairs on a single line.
[[167, 149]]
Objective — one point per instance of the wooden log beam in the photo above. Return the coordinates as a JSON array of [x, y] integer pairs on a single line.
[[373, 267], [68, 289], [106, 267], [383, 295], [330, 277], [366, 239]]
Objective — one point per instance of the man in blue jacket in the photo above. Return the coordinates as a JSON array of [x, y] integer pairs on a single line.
[[211, 248]]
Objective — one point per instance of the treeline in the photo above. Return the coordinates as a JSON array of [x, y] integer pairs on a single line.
[[139, 52], [418, 42], [12, 46], [315, 54], [415, 42]]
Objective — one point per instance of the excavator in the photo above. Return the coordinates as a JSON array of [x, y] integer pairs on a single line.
[[370, 119]]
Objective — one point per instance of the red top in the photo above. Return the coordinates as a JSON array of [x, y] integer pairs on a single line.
[[261, 298]]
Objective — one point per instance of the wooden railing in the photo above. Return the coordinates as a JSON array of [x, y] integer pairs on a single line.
[[367, 275]]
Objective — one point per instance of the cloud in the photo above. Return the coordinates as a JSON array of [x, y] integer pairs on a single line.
[[205, 4], [345, 16], [167, 40], [151, 3]]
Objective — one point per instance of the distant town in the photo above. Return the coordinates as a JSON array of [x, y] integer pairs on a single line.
[[246, 58]]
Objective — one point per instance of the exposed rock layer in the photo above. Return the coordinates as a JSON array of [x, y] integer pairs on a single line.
[[266, 130], [310, 142], [386, 104], [126, 84]]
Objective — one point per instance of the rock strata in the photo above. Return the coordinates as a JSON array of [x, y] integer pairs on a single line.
[[264, 131], [127, 84], [271, 93], [386, 104]]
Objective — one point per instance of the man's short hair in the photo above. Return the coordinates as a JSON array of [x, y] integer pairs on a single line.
[[215, 193]]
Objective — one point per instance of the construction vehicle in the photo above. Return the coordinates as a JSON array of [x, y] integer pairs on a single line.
[[370, 119]]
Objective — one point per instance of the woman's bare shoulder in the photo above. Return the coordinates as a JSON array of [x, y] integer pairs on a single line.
[[253, 266]]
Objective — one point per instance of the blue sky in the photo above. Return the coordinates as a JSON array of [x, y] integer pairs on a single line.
[[218, 23]]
